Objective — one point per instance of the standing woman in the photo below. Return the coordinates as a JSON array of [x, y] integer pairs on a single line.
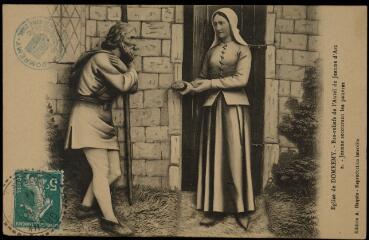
[[99, 77], [224, 177]]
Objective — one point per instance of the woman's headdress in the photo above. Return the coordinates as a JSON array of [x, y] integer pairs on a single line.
[[233, 20]]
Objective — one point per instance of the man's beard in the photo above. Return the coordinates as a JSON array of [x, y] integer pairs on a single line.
[[126, 56]]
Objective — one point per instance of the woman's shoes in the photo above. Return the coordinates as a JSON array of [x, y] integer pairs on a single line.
[[115, 227], [243, 221], [84, 212], [211, 219]]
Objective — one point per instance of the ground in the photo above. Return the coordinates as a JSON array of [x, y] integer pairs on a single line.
[[157, 212]]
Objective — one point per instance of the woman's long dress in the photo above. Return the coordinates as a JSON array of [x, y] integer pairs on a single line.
[[224, 175]]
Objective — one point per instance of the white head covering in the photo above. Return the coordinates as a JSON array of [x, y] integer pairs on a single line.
[[233, 20]]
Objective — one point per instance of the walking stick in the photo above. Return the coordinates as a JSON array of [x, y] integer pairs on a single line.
[[128, 148]]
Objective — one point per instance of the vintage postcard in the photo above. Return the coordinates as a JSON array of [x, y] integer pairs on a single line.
[[241, 121]]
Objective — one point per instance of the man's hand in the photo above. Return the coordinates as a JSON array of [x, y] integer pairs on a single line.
[[118, 64]]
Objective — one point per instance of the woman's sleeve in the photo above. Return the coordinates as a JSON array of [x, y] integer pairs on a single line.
[[241, 76], [204, 69], [122, 81]]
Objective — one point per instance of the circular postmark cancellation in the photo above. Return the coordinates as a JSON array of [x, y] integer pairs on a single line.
[[33, 202], [37, 43]]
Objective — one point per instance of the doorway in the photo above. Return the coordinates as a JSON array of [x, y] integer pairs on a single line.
[[198, 36]]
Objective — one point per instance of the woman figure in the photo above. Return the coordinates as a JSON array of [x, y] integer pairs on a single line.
[[224, 177], [99, 77]]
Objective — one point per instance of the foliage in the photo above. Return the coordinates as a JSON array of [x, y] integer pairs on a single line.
[[297, 171]]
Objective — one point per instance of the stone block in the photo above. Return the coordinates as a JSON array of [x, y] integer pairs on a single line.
[[278, 11], [179, 13], [176, 150], [157, 30], [138, 63], [178, 72], [148, 47], [175, 113], [277, 40], [312, 12], [114, 13], [58, 91], [103, 27], [146, 150], [271, 111], [157, 134], [284, 26], [136, 100], [304, 58], [284, 56], [156, 168], [270, 9], [91, 28], [165, 80], [147, 181], [270, 62], [98, 12], [177, 43], [294, 12], [297, 89], [165, 150], [95, 42], [148, 81], [143, 14], [155, 98], [313, 43], [283, 107], [284, 88], [294, 41], [139, 167], [290, 72], [271, 156], [307, 27], [137, 27], [165, 48], [63, 72], [164, 118], [174, 178], [137, 134], [167, 14], [157, 65], [64, 106], [270, 28], [145, 117]]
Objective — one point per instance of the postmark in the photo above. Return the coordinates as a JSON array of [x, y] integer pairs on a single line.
[[33, 202], [37, 44]]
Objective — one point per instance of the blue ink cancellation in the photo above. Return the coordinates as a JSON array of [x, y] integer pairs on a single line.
[[37, 43]]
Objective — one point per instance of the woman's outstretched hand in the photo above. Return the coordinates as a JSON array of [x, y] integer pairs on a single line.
[[200, 85], [188, 88]]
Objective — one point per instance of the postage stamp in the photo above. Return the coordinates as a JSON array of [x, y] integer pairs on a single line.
[[37, 199], [37, 44]]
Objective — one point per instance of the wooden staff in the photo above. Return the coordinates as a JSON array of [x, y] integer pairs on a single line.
[[128, 148]]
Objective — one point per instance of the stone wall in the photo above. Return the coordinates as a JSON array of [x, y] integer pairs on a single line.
[[292, 44], [156, 112], [156, 137]]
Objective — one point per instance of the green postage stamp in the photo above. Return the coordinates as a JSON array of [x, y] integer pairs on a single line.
[[38, 199]]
